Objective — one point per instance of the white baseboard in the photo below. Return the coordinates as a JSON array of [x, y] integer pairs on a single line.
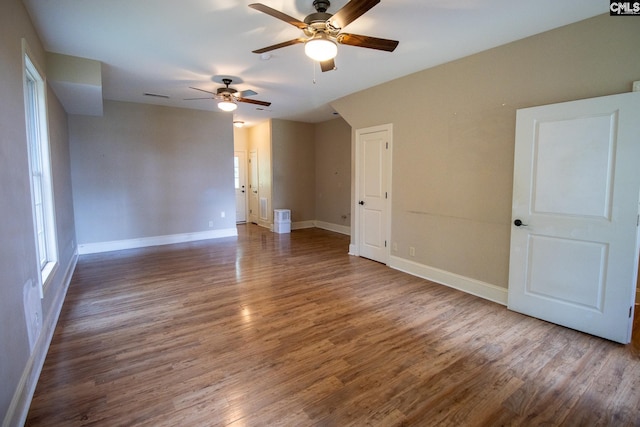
[[19, 408], [471, 286], [342, 229], [117, 245], [299, 225]]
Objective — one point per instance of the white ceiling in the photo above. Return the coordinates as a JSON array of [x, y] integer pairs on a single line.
[[165, 46]]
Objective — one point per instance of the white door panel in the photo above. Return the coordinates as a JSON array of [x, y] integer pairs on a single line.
[[240, 182], [576, 182], [574, 166], [373, 183], [253, 187]]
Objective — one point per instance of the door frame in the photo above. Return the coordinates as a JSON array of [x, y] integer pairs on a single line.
[[242, 155], [355, 247], [253, 204]]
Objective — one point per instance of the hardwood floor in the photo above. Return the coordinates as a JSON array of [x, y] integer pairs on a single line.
[[289, 330]]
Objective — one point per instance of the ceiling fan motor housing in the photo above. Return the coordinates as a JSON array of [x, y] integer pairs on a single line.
[[222, 91], [225, 91]]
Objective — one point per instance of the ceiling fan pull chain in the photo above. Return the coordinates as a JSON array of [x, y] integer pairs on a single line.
[[314, 73]]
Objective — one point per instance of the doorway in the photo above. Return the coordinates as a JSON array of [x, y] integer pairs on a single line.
[[373, 192], [253, 187], [240, 183]]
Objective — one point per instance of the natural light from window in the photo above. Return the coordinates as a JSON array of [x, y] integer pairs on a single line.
[[40, 170]]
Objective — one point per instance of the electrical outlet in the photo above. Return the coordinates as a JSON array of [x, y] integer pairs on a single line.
[[222, 214], [395, 246], [412, 251], [210, 224], [636, 86]]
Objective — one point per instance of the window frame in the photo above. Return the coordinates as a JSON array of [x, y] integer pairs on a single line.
[[40, 170]]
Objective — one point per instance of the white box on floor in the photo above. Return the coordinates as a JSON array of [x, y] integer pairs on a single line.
[[282, 220], [282, 227], [282, 215]]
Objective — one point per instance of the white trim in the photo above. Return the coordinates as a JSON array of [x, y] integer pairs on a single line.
[[19, 408], [245, 191], [37, 131], [298, 225], [342, 229], [117, 245], [471, 286]]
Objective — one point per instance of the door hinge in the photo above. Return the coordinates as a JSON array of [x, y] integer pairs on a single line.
[[385, 195], [630, 310], [387, 145], [385, 243]]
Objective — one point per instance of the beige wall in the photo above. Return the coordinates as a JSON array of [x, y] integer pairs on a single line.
[[454, 136], [18, 260], [144, 171], [303, 167], [241, 139], [333, 172], [294, 174]]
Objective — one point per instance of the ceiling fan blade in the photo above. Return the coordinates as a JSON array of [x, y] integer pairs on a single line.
[[279, 15], [328, 65], [351, 11], [253, 101], [191, 99], [246, 93], [202, 90], [279, 45], [367, 41]]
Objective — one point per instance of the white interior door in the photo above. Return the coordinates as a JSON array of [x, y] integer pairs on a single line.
[[240, 183], [574, 247], [253, 186], [373, 191]]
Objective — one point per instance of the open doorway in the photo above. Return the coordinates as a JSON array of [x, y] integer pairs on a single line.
[[240, 182]]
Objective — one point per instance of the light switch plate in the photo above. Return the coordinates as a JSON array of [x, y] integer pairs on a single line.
[[636, 86]]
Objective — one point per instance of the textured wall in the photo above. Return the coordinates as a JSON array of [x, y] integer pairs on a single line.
[[144, 171], [333, 172], [454, 136], [293, 154], [18, 261]]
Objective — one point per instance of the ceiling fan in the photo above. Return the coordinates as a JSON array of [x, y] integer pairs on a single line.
[[323, 31], [229, 97]]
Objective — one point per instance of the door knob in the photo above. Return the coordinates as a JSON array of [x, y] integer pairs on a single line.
[[361, 202], [519, 223]]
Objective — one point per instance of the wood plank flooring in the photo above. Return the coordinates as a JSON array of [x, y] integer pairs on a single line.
[[288, 330]]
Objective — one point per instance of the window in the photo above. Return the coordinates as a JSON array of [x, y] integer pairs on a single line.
[[40, 170], [236, 172]]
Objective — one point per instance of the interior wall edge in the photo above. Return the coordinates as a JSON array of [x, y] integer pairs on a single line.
[[337, 228], [19, 408], [118, 245], [471, 286]]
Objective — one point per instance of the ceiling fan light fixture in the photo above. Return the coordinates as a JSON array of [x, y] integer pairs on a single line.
[[227, 105], [320, 48], [238, 123]]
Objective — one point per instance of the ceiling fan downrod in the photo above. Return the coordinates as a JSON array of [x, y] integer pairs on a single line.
[[321, 5]]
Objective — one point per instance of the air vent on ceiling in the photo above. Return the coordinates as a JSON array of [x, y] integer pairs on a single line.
[[156, 95]]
